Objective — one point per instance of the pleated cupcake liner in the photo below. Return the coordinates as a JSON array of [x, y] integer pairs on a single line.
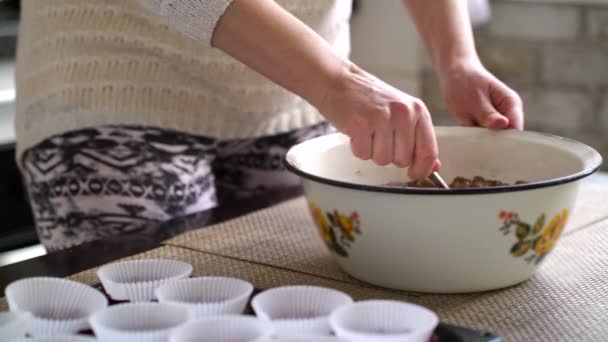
[[136, 280], [207, 296], [62, 338], [14, 325], [384, 320], [57, 306], [296, 310], [138, 322], [226, 328]]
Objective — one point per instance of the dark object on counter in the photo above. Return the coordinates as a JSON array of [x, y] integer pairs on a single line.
[[453, 333], [12, 4]]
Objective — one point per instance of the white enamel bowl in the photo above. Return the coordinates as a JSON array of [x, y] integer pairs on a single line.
[[445, 241]]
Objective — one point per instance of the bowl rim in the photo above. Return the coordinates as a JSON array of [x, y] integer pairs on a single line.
[[594, 165]]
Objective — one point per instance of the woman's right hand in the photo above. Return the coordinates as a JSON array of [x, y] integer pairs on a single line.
[[383, 123]]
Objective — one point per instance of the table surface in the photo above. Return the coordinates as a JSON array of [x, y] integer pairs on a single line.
[[70, 261]]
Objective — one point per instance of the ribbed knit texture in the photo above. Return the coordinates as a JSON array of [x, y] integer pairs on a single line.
[[84, 63], [194, 18]]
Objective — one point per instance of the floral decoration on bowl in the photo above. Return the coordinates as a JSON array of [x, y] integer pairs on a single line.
[[335, 228], [535, 241]]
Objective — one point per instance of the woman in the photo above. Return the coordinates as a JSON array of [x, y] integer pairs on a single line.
[[137, 111]]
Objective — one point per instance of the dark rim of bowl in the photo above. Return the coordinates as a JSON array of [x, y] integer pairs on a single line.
[[467, 191]]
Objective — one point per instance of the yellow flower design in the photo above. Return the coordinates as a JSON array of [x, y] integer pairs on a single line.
[[551, 233], [533, 241], [336, 229], [346, 225], [321, 222]]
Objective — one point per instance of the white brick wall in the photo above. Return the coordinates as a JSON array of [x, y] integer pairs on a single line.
[[597, 22], [584, 65], [557, 111], [521, 20], [509, 60]]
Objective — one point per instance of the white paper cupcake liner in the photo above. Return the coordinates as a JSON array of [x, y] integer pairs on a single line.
[[384, 320], [227, 328], [296, 310], [136, 280], [66, 338], [58, 306], [14, 324], [138, 322], [207, 296]]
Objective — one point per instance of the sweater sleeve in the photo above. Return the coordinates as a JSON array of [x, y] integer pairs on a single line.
[[194, 18]]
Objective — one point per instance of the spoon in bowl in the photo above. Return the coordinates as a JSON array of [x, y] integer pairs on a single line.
[[438, 181]]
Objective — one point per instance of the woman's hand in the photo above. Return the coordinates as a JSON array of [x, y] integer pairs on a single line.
[[477, 98], [384, 124], [471, 93]]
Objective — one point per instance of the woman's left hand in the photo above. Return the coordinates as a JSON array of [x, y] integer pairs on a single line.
[[477, 98]]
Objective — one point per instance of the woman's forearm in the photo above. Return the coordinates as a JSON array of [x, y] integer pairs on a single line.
[[445, 30], [271, 41]]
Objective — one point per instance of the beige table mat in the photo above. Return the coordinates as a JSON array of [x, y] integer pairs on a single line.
[[591, 206]]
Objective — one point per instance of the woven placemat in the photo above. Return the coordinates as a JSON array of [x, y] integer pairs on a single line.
[[591, 206]]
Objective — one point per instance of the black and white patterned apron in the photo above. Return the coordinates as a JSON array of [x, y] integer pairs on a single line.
[[98, 182]]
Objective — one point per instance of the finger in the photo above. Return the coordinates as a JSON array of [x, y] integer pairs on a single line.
[[487, 116], [425, 150], [467, 120], [507, 102], [361, 141], [437, 165], [404, 134], [382, 145], [495, 120]]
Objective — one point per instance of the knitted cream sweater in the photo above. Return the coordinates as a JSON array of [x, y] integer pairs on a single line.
[[84, 63]]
